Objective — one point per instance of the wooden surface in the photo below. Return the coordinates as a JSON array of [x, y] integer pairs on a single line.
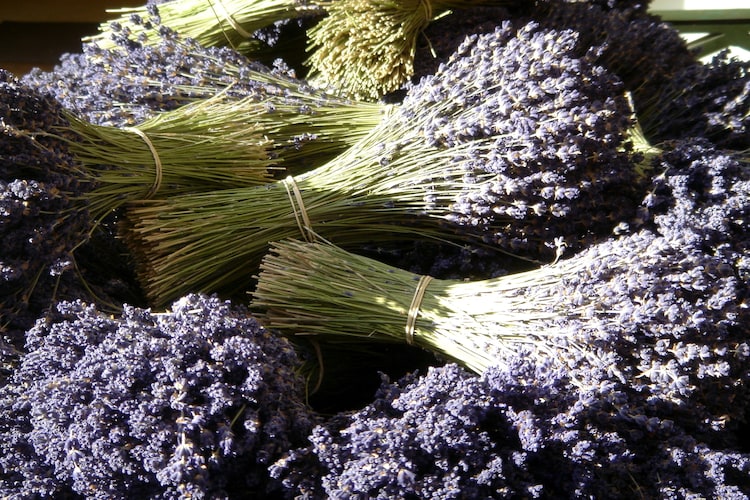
[[35, 33]]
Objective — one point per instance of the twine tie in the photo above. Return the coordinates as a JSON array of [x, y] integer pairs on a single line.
[[157, 161], [416, 302], [298, 209]]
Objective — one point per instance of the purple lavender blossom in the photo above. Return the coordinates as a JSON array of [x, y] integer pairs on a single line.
[[40, 222], [532, 107], [666, 308], [638, 5], [703, 100], [194, 402], [642, 50], [700, 194], [135, 80], [443, 36], [518, 431]]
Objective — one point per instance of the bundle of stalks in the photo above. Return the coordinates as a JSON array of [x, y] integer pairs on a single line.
[[210, 22], [365, 48], [318, 289], [627, 308], [663, 309], [215, 240], [213, 72], [212, 144], [458, 161]]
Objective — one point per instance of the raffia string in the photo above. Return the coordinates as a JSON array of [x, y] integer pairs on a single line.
[[157, 161], [228, 17], [416, 302], [303, 221]]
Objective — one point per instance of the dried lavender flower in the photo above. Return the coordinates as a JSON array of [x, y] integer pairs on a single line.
[[194, 401], [708, 100], [132, 81], [40, 221], [211, 23], [519, 431], [644, 51], [442, 36]]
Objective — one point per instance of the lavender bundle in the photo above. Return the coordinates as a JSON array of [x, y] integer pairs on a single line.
[[126, 84], [640, 48], [209, 22], [201, 146], [212, 144], [366, 48], [476, 153], [638, 308], [703, 100], [320, 289]]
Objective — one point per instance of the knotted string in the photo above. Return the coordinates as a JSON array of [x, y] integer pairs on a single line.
[[416, 302], [157, 161], [298, 208]]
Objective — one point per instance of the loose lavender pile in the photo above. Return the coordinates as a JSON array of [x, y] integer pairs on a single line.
[[39, 224], [518, 431], [574, 181], [192, 402]]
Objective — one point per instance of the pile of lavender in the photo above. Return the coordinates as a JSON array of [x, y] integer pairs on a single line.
[[491, 249], [40, 223], [50, 248], [517, 431], [192, 402]]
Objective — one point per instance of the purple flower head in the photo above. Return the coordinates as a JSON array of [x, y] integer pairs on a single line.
[[194, 400]]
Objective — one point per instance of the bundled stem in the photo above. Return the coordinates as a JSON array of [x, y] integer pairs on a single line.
[[210, 22], [320, 289], [318, 111], [390, 186], [213, 144], [365, 48], [213, 241], [206, 145]]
